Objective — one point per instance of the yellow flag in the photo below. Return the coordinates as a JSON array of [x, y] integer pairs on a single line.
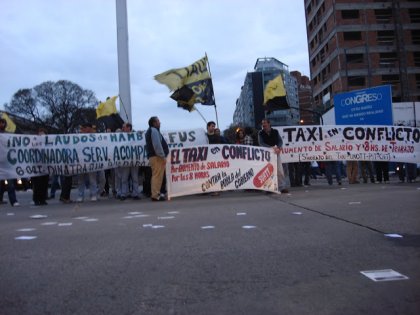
[[11, 127], [176, 78], [274, 88], [107, 108]]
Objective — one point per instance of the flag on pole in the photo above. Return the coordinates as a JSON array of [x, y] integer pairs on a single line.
[[10, 127], [191, 84], [107, 108], [107, 114], [275, 94]]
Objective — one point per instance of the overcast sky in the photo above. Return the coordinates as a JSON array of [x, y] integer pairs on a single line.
[[76, 40]]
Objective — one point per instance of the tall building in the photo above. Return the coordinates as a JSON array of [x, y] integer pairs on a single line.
[[356, 44], [249, 109], [308, 115]]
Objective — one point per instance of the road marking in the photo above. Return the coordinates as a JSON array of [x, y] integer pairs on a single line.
[[25, 238], [384, 275], [49, 223], [65, 224], [297, 213], [90, 220], [241, 213], [38, 216], [207, 227], [166, 218], [391, 235], [249, 227], [26, 230]]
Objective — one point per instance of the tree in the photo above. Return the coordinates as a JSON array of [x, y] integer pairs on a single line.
[[61, 106]]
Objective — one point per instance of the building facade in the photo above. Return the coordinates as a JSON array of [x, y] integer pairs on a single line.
[[308, 114], [357, 44], [249, 109]]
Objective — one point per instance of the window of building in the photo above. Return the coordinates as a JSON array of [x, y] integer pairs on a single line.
[[415, 37], [354, 58], [350, 14], [416, 56], [352, 35], [393, 79], [387, 59], [383, 15], [414, 15], [418, 81], [356, 81], [385, 37], [309, 8]]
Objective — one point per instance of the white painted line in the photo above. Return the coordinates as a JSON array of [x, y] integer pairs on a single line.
[[173, 212], [128, 217], [391, 235], [249, 227], [25, 238], [147, 225], [158, 226], [141, 215], [207, 227], [90, 220], [49, 223], [135, 212], [166, 218], [343, 188], [38, 216], [241, 213], [65, 224], [26, 230], [355, 203], [384, 275], [81, 218], [10, 213], [297, 213]]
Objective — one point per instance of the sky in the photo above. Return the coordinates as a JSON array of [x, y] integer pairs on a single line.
[[76, 40]]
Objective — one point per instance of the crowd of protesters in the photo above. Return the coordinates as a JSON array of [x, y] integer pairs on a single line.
[[123, 182]]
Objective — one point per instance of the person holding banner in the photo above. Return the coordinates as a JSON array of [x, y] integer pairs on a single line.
[[129, 173], [157, 150], [269, 137], [89, 178], [40, 183], [11, 192]]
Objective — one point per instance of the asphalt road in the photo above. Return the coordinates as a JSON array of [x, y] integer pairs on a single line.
[[239, 253]]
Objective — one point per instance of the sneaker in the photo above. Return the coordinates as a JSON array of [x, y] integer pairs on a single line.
[[79, 199], [16, 204], [93, 198]]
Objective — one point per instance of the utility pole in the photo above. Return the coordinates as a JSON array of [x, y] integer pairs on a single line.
[[123, 60]]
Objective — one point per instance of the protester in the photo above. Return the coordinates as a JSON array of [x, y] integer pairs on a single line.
[[239, 136], [352, 172], [129, 174], [366, 170], [40, 184], [269, 137], [248, 140], [11, 192], [213, 137], [382, 172], [88, 179], [333, 167], [157, 150]]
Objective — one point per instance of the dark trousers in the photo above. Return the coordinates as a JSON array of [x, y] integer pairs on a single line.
[[66, 187], [40, 189], [10, 190], [382, 171]]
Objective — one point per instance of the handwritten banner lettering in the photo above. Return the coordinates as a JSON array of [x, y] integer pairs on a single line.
[[211, 168], [337, 143]]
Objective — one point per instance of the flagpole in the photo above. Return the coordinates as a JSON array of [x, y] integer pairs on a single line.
[[205, 121], [126, 115], [215, 108]]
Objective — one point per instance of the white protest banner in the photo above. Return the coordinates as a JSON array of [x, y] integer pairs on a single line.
[[71, 154], [360, 143], [218, 167]]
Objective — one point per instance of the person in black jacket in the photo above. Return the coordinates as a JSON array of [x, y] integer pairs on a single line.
[[269, 137]]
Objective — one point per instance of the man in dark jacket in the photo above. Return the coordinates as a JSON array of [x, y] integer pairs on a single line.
[[269, 137], [157, 150]]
